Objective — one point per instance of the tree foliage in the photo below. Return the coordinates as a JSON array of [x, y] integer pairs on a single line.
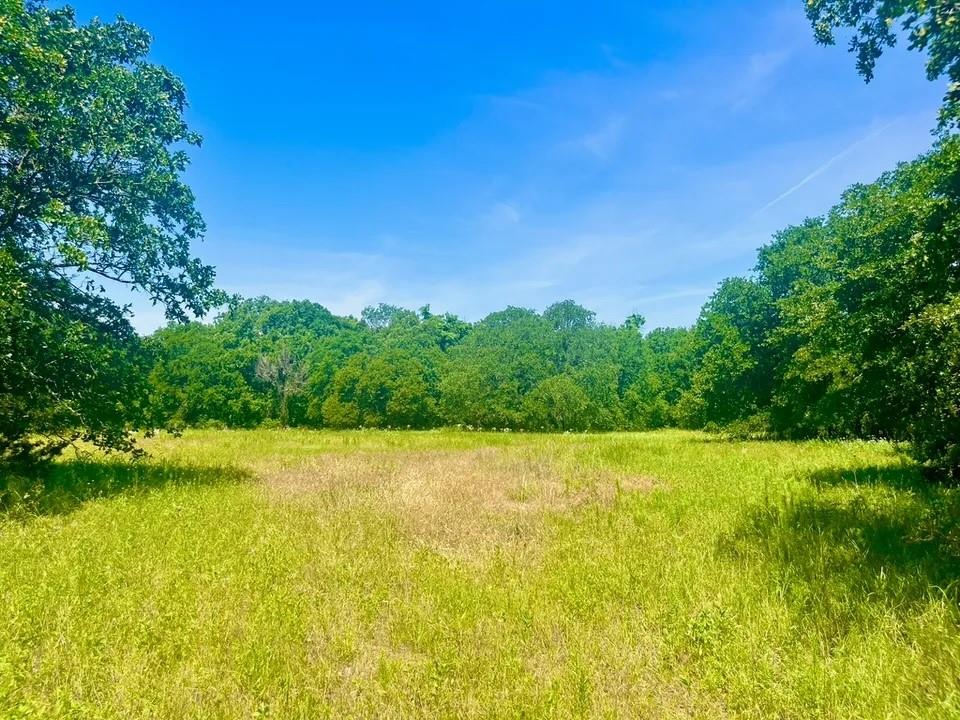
[[853, 328], [92, 143], [931, 26], [61, 374], [514, 369], [849, 327]]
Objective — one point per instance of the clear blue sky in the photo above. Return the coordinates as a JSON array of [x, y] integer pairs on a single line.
[[475, 155]]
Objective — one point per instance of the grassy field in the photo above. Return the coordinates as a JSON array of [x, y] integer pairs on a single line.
[[296, 574]]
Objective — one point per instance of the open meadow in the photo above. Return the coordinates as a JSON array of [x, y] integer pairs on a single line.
[[301, 415], [301, 574]]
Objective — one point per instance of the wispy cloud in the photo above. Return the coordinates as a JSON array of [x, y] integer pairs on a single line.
[[676, 294], [602, 141], [354, 300], [763, 65], [810, 177], [757, 77], [613, 57], [501, 215], [628, 183]]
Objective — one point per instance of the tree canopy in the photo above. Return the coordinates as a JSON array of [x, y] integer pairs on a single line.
[[931, 26], [847, 328], [92, 149]]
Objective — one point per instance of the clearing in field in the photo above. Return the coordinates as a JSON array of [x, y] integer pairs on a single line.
[[442, 574]]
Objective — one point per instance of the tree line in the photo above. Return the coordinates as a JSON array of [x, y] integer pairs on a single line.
[[848, 326]]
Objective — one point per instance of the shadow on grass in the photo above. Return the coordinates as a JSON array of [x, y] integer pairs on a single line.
[[63, 486], [857, 537]]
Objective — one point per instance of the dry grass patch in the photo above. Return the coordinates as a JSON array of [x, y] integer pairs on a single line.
[[461, 503]]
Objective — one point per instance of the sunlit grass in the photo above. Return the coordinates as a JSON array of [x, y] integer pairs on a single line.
[[444, 574]]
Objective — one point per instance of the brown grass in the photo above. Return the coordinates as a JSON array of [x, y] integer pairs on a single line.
[[461, 503]]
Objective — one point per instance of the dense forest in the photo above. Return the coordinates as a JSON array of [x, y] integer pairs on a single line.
[[849, 326]]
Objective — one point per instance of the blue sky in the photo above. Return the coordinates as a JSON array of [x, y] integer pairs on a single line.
[[474, 156]]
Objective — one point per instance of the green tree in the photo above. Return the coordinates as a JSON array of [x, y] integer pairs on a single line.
[[866, 340], [931, 26], [734, 377], [659, 377], [488, 374], [556, 403], [327, 356], [935, 368], [383, 316], [285, 376], [201, 377], [599, 382], [261, 359], [91, 139], [386, 390], [61, 374]]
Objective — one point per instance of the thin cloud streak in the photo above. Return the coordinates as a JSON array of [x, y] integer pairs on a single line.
[[676, 295], [824, 167]]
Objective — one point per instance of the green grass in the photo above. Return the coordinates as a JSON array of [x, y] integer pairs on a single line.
[[305, 574]]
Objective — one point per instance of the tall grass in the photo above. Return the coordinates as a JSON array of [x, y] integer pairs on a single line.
[[441, 574]]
